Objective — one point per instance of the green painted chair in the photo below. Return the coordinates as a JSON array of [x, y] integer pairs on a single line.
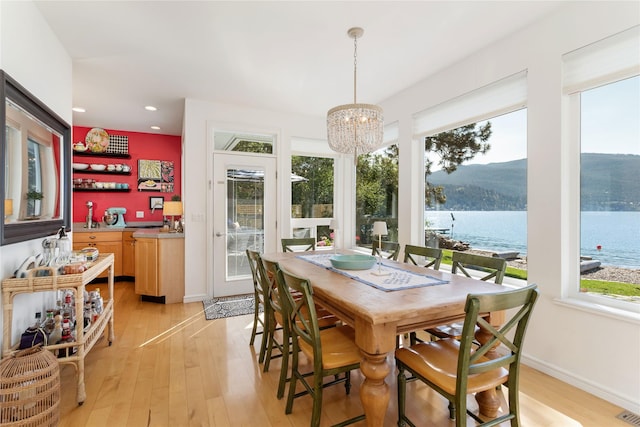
[[456, 368], [486, 268], [299, 244], [432, 256], [260, 322], [268, 270], [332, 352], [389, 250]]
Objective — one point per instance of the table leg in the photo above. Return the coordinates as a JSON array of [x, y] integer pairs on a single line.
[[488, 401], [374, 392]]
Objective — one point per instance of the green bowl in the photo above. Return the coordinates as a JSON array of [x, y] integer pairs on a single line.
[[352, 262]]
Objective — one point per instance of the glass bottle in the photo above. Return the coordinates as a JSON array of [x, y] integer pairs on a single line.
[[48, 323], [64, 247], [56, 334]]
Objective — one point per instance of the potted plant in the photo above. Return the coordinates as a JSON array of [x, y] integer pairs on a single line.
[[33, 203]]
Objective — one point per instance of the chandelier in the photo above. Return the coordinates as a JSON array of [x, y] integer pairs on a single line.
[[355, 128]]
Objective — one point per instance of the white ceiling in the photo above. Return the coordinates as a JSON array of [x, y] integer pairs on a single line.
[[282, 56]]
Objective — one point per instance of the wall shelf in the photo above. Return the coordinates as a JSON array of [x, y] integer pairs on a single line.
[[104, 172], [92, 154], [104, 190]]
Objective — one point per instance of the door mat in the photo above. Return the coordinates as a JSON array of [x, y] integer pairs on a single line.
[[217, 308]]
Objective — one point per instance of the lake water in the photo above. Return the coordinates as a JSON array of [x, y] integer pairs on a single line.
[[617, 233]]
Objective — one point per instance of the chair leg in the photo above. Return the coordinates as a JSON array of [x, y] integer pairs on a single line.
[[270, 340], [317, 399], [256, 320], [266, 337], [402, 395], [347, 383], [452, 411], [292, 385], [284, 370]]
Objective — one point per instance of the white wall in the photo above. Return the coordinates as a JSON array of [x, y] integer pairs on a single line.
[[32, 55], [199, 118], [592, 349]]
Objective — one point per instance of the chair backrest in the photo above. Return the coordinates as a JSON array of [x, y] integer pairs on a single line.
[[299, 245], [432, 256], [303, 319], [472, 360], [391, 248], [259, 291], [495, 267], [269, 273]]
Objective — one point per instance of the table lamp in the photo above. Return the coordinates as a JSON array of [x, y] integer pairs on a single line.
[[8, 208], [334, 225], [172, 209], [380, 229]]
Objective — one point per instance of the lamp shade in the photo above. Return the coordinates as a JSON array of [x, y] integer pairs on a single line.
[[172, 208], [379, 228], [8, 207], [334, 224]]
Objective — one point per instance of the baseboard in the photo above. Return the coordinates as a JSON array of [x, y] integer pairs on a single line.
[[583, 384], [195, 298]]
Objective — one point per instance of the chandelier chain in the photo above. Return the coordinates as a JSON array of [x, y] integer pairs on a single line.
[[355, 67]]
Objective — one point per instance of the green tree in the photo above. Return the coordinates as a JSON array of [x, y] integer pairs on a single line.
[[453, 148], [317, 189]]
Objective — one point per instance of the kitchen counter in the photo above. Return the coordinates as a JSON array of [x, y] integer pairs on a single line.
[[156, 233], [131, 226]]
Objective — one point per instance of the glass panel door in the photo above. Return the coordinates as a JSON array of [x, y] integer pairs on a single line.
[[244, 217]]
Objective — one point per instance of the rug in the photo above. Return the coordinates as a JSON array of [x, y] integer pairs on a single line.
[[217, 308]]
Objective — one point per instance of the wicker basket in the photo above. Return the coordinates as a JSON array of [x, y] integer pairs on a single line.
[[30, 389]]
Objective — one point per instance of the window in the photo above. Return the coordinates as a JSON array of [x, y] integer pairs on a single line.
[[610, 189], [476, 169], [377, 194], [312, 195], [602, 87]]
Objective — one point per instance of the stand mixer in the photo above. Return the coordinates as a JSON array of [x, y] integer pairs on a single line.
[[114, 217]]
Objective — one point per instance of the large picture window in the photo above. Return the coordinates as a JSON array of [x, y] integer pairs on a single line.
[[377, 194], [601, 83]]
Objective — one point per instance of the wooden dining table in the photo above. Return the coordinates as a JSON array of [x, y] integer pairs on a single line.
[[378, 316]]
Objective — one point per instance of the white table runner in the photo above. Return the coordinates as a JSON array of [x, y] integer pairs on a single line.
[[396, 280]]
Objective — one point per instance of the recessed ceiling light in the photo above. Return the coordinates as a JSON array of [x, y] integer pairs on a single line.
[[79, 109], [155, 127], [150, 108]]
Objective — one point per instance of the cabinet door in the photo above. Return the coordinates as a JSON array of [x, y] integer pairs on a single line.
[[146, 282], [128, 254], [105, 242]]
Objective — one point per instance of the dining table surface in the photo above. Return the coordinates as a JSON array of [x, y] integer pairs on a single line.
[[379, 315]]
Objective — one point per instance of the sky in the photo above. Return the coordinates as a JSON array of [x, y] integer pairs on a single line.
[[610, 124]]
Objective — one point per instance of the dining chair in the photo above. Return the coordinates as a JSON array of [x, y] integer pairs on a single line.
[[332, 352], [432, 256], [268, 271], [456, 368], [259, 295], [391, 250], [299, 244], [489, 269]]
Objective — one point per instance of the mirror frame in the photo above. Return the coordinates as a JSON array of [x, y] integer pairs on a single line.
[[20, 232]]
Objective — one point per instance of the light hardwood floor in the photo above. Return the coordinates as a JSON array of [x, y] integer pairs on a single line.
[[168, 366]]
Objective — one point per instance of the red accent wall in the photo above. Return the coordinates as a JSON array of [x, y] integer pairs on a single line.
[[145, 146]]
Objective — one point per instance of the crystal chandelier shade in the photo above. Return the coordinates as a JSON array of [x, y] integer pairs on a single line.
[[355, 128]]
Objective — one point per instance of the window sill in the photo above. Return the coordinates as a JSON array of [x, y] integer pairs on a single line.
[[601, 309]]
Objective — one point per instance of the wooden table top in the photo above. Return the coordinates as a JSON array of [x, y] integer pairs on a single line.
[[402, 310]]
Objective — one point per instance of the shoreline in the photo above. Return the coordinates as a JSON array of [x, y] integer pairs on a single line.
[[603, 272]]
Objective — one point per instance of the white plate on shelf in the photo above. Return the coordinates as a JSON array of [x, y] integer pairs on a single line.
[[97, 167], [80, 166]]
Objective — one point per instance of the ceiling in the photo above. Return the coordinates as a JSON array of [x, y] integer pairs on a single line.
[[283, 56]]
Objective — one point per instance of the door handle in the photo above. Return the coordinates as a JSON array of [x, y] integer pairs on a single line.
[[219, 234]]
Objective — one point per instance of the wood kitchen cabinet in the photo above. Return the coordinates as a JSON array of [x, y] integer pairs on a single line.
[[128, 254], [160, 265], [105, 242]]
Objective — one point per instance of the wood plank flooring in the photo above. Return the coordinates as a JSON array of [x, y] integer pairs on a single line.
[[168, 366]]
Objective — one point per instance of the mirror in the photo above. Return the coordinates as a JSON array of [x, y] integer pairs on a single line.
[[35, 154]]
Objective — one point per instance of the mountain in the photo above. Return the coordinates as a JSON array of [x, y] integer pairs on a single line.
[[610, 182]]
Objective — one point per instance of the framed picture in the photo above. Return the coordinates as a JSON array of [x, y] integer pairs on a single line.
[[156, 202]]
